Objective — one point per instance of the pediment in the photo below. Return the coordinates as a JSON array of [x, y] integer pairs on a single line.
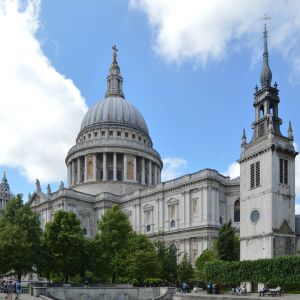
[[147, 207], [172, 201]]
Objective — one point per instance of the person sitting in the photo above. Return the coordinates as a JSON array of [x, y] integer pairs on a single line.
[[276, 292], [184, 287], [243, 291], [263, 291]]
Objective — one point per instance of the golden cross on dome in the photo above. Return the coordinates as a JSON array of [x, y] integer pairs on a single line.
[[114, 47]]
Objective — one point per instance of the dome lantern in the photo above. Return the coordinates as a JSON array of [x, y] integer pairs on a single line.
[[114, 78]]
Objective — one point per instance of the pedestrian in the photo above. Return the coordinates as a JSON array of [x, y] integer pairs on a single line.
[[9, 290], [18, 289]]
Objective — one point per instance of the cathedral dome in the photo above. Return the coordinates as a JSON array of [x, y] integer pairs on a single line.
[[114, 110], [113, 151]]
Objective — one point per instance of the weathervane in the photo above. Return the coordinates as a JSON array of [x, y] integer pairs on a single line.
[[114, 47]]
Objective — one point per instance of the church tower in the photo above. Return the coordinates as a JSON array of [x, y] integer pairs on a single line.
[[4, 192], [267, 177]]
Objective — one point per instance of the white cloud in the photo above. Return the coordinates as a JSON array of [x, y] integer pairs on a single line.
[[40, 109], [173, 167], [202, 31], [233, 170]]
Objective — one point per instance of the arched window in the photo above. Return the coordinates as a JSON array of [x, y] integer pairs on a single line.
[[271, 110], [261, 111], [237, 211]]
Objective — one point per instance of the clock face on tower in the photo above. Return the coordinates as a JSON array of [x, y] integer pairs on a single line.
[[254, 216]]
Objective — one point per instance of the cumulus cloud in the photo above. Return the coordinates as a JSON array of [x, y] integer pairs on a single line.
[[208, 30], [233, 170], [173, 167], [40, 109]]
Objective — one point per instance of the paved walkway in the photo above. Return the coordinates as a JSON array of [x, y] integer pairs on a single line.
[[250, 296], [21, 297]]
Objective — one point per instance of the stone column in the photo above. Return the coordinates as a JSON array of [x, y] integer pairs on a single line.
[[94, 167], [78, 170], [143, 171], [69, 175], [150, 173], [73, 173], [104, 167], [134, 168], [85, 169], [115, 167], [125, 168], [155, 174]]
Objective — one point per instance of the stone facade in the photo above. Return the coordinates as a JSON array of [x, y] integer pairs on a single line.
[[114, 162]]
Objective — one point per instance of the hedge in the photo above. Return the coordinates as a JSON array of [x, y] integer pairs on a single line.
[[280, 270]]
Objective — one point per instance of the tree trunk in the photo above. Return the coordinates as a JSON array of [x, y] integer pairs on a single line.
[[66, 278]]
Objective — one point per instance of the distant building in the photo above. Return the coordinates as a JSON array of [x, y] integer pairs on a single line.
[[114, 162], [4, 192]]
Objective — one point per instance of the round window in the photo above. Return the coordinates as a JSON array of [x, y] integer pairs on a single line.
[[255, 215]]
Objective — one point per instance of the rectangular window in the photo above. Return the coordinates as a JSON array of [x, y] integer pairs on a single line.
[[103, 133], [283, 171], [111, 132], [252, 176], [255, 175], [195, 206]]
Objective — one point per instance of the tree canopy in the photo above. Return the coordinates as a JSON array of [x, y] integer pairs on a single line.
[[65, 243], [227, 243], [20, 238]]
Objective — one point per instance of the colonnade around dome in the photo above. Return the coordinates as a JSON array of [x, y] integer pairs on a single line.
[[113, 166]]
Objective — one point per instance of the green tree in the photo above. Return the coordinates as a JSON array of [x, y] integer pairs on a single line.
[[20, 238], [141, 260], [227, 243], [66, 245], [185, 269], [113, 238], [208, 255], [168, 259]]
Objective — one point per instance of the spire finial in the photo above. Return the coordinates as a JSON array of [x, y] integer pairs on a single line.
[[244, 138], [114, 47], [4, 179], [114, 78], [290, 131], [266, 74]]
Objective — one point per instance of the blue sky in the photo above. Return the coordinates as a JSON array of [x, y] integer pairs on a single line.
[[191, 71]]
